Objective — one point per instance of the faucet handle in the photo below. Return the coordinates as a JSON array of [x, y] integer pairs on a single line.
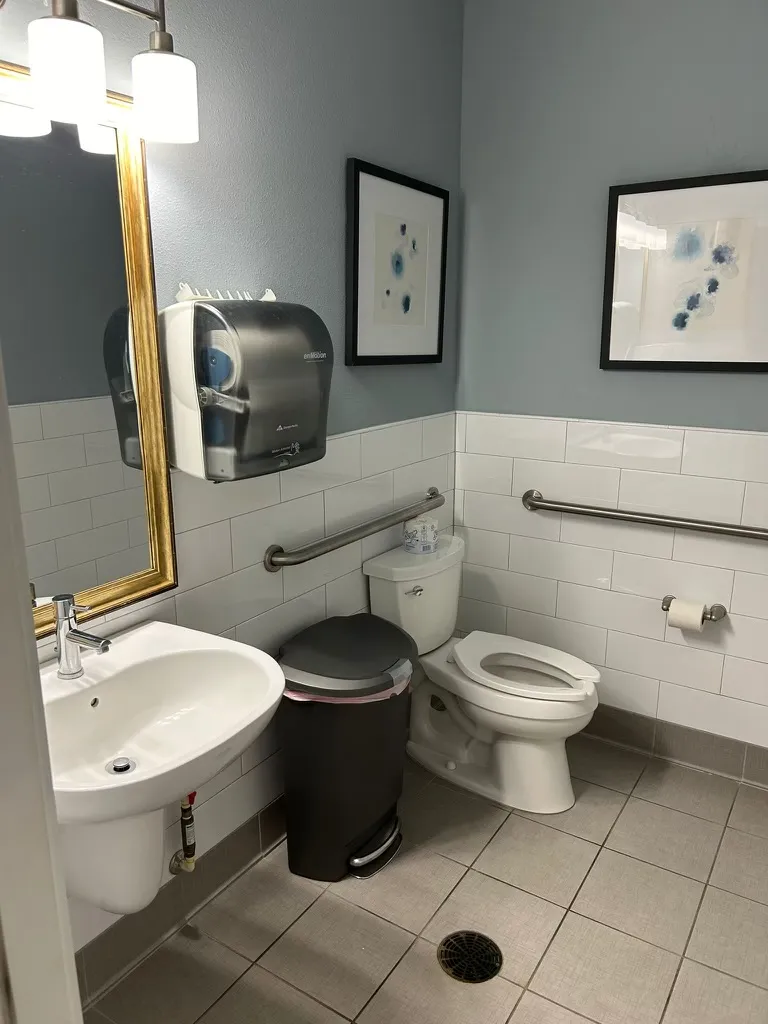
[[65, 605]]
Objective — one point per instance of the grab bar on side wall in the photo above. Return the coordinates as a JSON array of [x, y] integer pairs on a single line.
[[535, 501], [276, 557]]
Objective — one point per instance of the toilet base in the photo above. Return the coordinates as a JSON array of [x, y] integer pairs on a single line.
[[521, 775]]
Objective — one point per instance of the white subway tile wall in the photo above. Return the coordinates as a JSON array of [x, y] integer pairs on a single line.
[[222, 532], [82, 517], [607, 579]]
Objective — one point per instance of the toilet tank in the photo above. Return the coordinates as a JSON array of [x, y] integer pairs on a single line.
[[419, 593]]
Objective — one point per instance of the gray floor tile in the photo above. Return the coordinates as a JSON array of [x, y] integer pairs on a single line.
[[731, 935], [604, 764], [94, 1017], [610, 977], [591, 817], [750, 812], [257, 908], [704, 996], [261, 998], [667, 838], [685, 789], [337, 953], [449, 821], [742, 865], [418, 990], [408, 891], [541, 860], [522, 925], [176, 984], [532, 1009], [645, 901]]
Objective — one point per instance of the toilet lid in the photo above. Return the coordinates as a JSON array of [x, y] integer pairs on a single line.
[[524, 669]]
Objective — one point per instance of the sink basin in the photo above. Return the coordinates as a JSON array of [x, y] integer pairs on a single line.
[[172, 706], [179, 704]]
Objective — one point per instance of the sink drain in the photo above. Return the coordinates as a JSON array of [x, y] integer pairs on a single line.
[[469, 957], [120, 766]]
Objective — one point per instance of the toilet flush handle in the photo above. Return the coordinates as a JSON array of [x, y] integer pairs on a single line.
[[416, 592]]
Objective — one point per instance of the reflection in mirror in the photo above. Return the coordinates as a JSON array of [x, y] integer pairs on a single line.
[[64, 336]]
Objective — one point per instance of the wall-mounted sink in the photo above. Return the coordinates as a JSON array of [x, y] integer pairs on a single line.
[[153, 719]]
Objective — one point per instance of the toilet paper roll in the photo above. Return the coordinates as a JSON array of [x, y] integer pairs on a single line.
[[420, 535], [686, 615]]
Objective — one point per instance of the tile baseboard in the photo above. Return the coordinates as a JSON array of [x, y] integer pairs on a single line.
[[109, 956], [706, 751]]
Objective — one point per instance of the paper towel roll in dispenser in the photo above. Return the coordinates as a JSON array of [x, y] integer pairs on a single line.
[[247, 386]]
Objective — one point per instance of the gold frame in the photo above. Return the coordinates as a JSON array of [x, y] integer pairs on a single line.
[[137, 244]]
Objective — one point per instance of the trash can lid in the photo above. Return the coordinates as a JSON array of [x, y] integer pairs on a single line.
[[347, 656]]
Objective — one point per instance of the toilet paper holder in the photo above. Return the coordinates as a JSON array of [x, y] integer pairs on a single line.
[[712, 613]]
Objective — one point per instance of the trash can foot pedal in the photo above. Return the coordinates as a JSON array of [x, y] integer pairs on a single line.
[[373, 866]]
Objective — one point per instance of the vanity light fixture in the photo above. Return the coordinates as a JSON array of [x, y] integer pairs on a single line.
[[67, 70], [164, 92], [66, 65]]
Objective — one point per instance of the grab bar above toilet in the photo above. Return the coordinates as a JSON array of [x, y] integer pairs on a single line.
[[534, 501], [276, 557]]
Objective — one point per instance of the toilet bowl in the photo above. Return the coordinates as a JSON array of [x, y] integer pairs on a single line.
[[492, 712]]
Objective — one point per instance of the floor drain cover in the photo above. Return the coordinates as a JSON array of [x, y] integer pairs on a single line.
[[469, 957]]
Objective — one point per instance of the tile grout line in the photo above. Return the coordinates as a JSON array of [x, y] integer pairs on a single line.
[[228, 988], [556, 932], [469, 867], [420, 935], [254, 963], [569, 909], [121, 976], [389, 974], [698, 911]]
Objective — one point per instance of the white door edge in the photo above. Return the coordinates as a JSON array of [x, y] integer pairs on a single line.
[[33, 903]]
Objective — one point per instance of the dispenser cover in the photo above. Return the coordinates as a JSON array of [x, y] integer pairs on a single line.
[[247, 384]]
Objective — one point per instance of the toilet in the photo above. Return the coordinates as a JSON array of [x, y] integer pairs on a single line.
[[492, 712]]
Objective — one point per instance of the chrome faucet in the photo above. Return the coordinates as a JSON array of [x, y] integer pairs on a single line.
[[70, 639]]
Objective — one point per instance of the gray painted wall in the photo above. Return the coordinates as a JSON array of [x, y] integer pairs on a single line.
[[562, 100], [62, 275], [289, 89]]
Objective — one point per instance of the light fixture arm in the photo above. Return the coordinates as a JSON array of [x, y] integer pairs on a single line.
[[157, 15], [64, 9]]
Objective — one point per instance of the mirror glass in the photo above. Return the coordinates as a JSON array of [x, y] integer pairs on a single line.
[[65, 342]]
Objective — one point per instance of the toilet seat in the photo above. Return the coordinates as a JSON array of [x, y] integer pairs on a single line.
[[563, 677]]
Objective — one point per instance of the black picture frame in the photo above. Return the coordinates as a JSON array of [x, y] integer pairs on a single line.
[[615, 193], [354, 169]]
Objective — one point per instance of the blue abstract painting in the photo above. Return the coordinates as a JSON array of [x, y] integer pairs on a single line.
[[400, 271]]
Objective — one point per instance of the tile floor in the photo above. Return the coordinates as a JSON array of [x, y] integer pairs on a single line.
[[646, 902]]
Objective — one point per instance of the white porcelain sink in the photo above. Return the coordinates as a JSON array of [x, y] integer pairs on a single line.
[[180, 705]]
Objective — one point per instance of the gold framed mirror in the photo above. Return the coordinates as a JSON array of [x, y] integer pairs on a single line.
[[79, 472]]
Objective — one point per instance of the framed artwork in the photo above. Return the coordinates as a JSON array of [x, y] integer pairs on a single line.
[[686, 275], [397, 230]]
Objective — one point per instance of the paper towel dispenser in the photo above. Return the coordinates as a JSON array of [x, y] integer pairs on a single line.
[[118, 363], [247, 386]]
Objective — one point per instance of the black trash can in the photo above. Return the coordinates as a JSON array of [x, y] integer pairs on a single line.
[[344, 724]]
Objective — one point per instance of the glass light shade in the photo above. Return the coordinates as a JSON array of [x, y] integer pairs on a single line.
[[66, 66], [97, 138], [165, 97], [22, 122]]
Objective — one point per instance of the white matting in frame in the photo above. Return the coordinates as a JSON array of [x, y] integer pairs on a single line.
[[686, 271], [396, 267]]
